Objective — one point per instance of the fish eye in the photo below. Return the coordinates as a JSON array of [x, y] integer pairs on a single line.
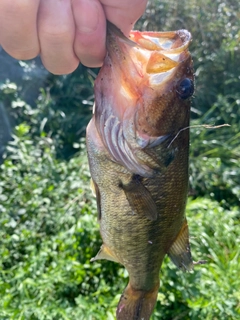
[[185, 89]]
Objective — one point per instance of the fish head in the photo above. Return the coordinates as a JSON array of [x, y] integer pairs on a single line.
[[147, 77], [142, 97]]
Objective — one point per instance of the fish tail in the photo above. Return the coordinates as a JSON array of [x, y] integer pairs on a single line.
[[137, 304]]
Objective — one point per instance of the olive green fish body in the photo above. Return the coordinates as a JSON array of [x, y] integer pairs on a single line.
[[138, 141]]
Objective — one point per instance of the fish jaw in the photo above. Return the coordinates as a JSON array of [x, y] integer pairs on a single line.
[[141, 94]]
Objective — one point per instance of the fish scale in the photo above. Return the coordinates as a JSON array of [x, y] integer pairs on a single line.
[[140, 175]]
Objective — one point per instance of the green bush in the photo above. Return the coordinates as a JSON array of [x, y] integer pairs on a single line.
[[211, 291], [61, 112], [49, 233]]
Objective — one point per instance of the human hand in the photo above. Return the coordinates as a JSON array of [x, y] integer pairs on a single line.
[[63, 32]]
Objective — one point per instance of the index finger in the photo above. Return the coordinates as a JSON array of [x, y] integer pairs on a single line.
[[18, 28]]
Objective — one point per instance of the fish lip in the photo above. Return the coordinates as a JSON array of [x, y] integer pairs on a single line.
[[182, 34], [114, 34]]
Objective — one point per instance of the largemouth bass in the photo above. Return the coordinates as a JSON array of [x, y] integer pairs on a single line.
[[138, 148]]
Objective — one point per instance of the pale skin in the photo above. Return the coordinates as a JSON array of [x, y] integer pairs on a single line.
[[64, 32]]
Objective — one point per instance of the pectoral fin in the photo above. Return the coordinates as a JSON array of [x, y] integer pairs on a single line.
[[92, 187], [140, 198], [180, 252], [105, 253]]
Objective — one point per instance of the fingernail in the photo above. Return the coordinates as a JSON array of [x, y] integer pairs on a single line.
[[87, 16]]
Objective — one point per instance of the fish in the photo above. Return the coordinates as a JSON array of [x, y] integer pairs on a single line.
[[138, 153]]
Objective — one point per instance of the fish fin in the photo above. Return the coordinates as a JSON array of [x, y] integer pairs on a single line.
[[136, 304], [92, 187], [105, 253], [140, 199], [96, 193], [180, 252]]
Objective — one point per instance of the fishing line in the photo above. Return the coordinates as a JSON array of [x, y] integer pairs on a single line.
[[206, 126]]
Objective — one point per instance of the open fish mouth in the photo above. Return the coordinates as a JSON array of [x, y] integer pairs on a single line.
[[155, 54]]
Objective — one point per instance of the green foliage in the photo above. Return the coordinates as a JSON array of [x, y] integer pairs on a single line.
[[212, 290], [48, 225], [215, 154], [62, 110], [49, 233]]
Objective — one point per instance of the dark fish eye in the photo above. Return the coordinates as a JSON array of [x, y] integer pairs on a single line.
[[185, 89]]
